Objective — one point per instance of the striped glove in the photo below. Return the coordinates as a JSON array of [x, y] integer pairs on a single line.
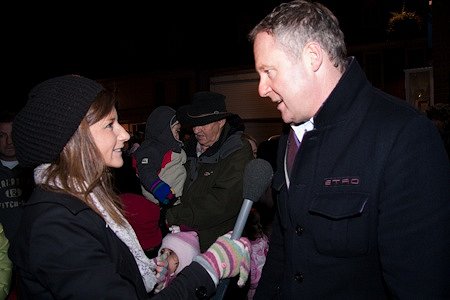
[[161, 267], [162, 272], [227, 258]]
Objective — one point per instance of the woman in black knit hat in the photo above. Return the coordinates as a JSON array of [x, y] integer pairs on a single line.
[[73, 241]]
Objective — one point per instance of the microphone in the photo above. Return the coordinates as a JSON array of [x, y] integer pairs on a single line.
[[257, 177]]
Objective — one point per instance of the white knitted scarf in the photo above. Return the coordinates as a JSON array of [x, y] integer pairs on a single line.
[[124, 232]]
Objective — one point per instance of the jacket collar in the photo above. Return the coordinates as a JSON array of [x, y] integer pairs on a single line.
[[341, 103], [71, 203]]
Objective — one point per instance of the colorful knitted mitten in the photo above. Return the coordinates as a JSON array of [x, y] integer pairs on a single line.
[[161, 267], [227, 258]]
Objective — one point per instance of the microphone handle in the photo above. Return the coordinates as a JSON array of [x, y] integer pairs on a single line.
[[242, 219], [236, 234]]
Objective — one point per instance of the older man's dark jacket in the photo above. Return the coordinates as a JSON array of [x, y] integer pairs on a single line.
[[367, 214], [213, 191]]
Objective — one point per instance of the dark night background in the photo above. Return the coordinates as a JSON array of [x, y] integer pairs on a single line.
[[128, 39]]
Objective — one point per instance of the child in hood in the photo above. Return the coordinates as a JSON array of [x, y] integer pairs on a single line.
[[178, 249], [160, 158]]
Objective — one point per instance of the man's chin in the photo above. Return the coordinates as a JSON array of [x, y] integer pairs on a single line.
[[286, 119]]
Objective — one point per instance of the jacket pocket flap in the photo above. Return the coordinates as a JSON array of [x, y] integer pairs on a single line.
[[339, 205]]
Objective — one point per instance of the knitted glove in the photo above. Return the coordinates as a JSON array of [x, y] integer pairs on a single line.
[[161, 272], [227, 258], [161, 191], [161, 267]]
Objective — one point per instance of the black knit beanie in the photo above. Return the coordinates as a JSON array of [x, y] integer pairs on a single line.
[[54, 110]]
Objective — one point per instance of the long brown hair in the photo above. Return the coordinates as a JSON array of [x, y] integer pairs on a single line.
[[81, 170]]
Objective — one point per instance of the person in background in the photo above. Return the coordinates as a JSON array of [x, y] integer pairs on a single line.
[[73, 241], [254, 231], [439, 114], [5, 265], [266, 150], [362, 177], [160, 158], [216, 158], [252, 142], [177, 250], [160, 161], [266, 205], [143, 216], [16, 181]]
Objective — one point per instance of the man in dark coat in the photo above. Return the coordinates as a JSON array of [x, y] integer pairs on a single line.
[[364, 212], [16, 182]]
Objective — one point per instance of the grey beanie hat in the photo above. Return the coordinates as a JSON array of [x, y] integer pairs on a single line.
[[54, 110]]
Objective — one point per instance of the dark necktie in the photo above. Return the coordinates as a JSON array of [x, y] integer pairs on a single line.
[[293, 145]]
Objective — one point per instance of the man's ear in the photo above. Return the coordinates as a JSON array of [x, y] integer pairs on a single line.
[[313, 55], [222, 122]]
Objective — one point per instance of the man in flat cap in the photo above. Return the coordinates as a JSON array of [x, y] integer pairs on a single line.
[[216, 158]]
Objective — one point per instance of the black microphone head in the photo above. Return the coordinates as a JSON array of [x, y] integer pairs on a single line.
[[257, 177]]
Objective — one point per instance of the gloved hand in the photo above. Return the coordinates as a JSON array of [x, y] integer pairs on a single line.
[[162, 191], [227, 258], [161, 267]]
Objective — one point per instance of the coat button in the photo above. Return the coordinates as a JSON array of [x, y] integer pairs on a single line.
[[299, 230], [201, 292], [298, 277]]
